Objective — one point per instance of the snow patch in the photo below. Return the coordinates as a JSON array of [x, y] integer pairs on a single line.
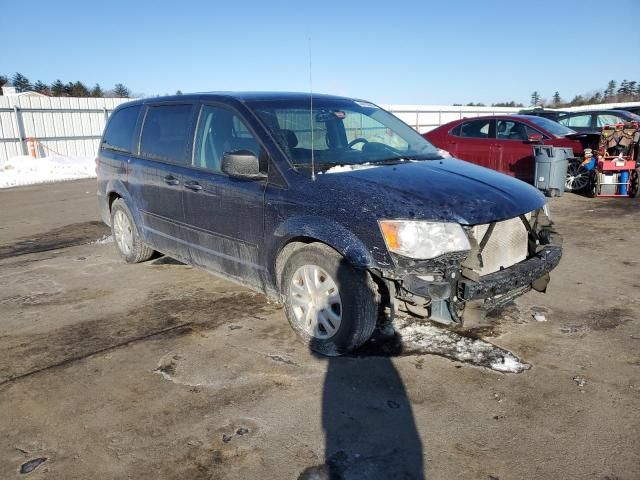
[[350, 168], [443, 153], [26, 170], [418, 337], [104, 240]]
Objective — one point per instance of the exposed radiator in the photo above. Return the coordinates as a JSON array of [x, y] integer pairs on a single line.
[[507, 245]]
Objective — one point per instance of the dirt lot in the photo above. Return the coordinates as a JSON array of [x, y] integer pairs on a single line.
[[161, 371]]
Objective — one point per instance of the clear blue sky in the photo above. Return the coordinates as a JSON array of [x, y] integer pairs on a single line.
[[436, 52]]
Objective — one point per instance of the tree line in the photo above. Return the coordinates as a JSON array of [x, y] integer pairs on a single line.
[[625, 91], [60, 89]]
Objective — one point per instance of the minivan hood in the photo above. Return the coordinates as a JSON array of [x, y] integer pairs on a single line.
[[446, 190]]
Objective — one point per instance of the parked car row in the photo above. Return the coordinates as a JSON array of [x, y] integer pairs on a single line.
[[330, 205], [504, 142]]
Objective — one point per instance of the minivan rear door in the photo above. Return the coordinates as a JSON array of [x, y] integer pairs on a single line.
[[224, 215], [156, 176]]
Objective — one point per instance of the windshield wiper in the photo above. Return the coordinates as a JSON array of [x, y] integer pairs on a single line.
[[404, 158]]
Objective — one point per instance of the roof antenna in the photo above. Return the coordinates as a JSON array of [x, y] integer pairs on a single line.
[[313, 170]]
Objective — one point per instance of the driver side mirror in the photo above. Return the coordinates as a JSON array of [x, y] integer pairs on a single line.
[[534, 138], [242, 164]]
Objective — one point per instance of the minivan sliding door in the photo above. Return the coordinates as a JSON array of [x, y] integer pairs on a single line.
[[156, 176]]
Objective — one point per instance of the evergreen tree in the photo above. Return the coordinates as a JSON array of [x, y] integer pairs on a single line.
[[57, 88], [96, 91], [3, 81], [535, 99], [41, 87], [68, 89], [121, 91], [557, 99], [178, 92], [21, 82], [610, 90], [633, 90], [624, 88], [79, 90]]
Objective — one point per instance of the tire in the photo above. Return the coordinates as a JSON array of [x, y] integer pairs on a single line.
[[125, 234], [329, 324], [634, 190]]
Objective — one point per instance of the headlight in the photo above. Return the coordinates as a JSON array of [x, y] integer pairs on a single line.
[[423, 239]]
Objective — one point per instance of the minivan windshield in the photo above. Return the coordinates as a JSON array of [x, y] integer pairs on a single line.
[[340, 132]]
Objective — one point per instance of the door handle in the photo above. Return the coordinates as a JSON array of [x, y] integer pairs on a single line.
[[195, 186], [171, 180]]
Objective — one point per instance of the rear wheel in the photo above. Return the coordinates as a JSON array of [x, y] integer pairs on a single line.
[[577, 177], [125, 234], [332, 306], [634, 183]]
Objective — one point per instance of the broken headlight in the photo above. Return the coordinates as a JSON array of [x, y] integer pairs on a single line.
[[423, 239]]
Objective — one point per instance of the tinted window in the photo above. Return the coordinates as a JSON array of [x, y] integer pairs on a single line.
[[551, 126], [608, 119], [165, 134], [120, 129], [220, 131], [576, 121], [475, 129], [510, 130]]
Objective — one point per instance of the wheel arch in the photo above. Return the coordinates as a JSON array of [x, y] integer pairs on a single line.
[[296, 233]]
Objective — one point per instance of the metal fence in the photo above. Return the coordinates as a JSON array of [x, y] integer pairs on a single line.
[[427, 117], [62, 125], [73, 126]]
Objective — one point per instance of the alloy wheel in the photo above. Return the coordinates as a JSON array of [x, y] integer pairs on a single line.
[[315, 301]]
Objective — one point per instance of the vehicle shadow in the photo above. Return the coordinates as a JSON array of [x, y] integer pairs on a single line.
[[369, 427]]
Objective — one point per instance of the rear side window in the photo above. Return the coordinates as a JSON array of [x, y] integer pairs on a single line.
[[166, 133], [608, 119], [120, 129]]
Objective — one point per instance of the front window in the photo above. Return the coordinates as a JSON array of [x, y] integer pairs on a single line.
[[475, 129], [510, 130], [340, 132], [555, 128]]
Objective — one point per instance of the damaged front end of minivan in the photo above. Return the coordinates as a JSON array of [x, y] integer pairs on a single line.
[[500, 261]]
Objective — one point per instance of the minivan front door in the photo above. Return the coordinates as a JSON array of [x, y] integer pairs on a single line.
[[224, 216]]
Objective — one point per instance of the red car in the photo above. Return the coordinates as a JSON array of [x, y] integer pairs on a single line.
[[503, 143]]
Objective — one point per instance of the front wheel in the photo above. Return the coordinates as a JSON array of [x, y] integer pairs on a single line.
[[331, 305]]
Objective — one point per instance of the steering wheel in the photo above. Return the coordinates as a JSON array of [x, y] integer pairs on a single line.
[[355, 141]]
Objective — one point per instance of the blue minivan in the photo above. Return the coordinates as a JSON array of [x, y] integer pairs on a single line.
[[330, 205]]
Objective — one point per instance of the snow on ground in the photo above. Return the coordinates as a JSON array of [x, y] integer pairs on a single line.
[[425, 337], [25, 170]]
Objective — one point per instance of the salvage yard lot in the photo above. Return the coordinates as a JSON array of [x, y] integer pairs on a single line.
[[159, 370]]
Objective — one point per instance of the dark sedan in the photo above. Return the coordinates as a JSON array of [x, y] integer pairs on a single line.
[[592, 121]]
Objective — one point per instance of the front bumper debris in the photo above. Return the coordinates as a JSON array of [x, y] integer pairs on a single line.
[[452, 289], [515, 277]]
